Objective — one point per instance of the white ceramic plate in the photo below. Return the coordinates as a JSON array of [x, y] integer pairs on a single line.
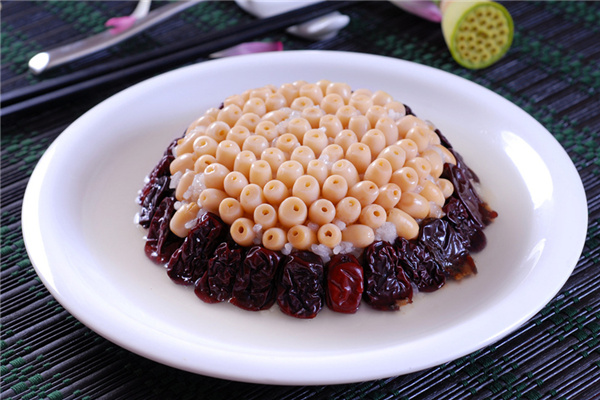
[[79, 209]]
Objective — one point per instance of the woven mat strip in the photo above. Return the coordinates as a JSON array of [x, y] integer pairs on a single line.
[[555, 355]]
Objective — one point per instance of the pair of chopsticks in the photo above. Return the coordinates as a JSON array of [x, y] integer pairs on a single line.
[[156, 61]]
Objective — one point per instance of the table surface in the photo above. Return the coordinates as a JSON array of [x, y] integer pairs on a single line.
[[552, 71]]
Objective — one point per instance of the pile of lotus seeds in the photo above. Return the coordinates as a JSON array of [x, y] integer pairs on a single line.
[[310, 166]]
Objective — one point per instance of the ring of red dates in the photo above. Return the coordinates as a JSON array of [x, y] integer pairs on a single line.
[[253, 278]]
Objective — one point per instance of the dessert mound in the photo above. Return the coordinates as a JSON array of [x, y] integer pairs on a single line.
[[312, 195]]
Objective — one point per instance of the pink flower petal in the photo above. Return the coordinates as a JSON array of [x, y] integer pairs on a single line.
[[249, 48], [422, 8], [120, 24]]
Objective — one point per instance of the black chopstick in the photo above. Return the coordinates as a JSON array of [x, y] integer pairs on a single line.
[[158, 60]]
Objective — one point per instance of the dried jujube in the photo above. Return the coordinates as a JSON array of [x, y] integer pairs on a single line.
[[345, 284], [161, 243], [216, 284], [300, 291], [151, 197], [443, 242], [447, 247], [255, 287], [156, 188], [386, 285], [419, 266], [189, 262], [462, 178], [465, 209], [471, 232]]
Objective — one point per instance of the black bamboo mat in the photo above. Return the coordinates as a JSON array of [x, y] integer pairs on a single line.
[[552, 72]]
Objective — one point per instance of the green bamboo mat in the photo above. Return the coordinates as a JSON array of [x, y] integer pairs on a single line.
[[552, 72]]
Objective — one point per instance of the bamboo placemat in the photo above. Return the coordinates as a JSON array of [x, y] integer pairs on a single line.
[[552, 72]]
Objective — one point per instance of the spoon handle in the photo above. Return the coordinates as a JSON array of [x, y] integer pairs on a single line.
[[64, 54]]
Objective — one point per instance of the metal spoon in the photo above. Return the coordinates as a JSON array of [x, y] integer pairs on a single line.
[[63, 54]]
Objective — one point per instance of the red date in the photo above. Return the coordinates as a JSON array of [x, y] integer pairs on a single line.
[[386, 284], [189, 262], [458, 216], [151, 197], [161, 243], [157, 187], [419, 266], [461, 177], [255, 287], [345, 284], [447, 247], [301, 293], [216, 284]]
